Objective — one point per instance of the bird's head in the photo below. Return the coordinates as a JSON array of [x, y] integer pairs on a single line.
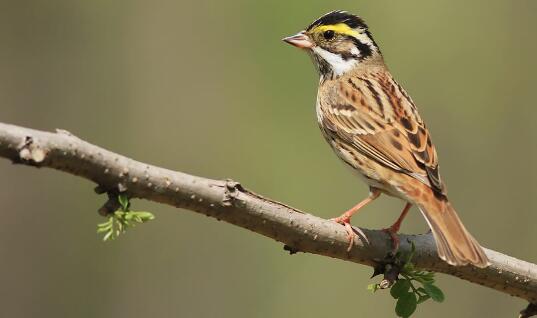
[[338, 42]]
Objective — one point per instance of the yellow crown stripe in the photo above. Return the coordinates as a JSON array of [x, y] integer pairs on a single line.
[[340, 28]]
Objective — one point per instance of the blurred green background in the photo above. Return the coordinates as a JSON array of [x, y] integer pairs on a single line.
[[208, 88]]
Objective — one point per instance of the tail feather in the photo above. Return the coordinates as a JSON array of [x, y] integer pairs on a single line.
[[454, 243]]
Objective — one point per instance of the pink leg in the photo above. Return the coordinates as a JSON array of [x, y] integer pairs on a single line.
[[345, 218], [392, 230]]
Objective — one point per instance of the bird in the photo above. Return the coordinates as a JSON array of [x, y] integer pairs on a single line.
[[373, 125]]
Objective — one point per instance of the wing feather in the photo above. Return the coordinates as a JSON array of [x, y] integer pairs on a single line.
[[377, 117]]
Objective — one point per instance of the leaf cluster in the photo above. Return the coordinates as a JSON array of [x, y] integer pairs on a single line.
[[122, 219], [407, 290]]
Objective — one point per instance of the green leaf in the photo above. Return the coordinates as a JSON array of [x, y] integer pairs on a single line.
[[104, 229], [422, 290], [401, 287], [123, 201], [105, 224], [108, 236], [373, 287], [423, 298], [122, 220], [425, 280], [428, 278], [144, 215], [406, 305], [435, 292], [428, 275], [408, 268]]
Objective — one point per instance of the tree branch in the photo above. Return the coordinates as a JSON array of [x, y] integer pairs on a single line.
[[228, 201]]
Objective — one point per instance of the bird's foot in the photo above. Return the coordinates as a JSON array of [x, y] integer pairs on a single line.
[[351, 232], [392, 232], [394, 229]]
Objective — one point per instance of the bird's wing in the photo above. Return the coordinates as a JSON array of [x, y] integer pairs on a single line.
[[376, 116]]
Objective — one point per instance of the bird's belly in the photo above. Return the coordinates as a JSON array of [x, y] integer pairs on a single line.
[[372, 173], [386, 188]]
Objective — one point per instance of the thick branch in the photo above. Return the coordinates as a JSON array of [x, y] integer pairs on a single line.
[[230, 202]]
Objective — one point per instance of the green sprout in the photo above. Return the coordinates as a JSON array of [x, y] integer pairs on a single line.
[[122, 219], [405, 289]]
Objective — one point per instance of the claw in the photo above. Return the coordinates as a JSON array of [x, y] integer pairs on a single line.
[[345, 218], [346, 222], [351, 236], [361, 234], [351, 231]]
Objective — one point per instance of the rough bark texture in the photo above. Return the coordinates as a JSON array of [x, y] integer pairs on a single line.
[[228, 201]]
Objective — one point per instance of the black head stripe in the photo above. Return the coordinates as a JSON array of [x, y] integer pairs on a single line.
[[373, 40], [336, 17], [364, 49]]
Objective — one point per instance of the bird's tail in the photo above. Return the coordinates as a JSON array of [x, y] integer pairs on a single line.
[[454, 243]]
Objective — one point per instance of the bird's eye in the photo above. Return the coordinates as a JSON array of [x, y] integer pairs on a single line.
[[328, 34]]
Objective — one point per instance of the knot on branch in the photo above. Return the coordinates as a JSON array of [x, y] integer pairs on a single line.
[[290, 249], [231, 191], [112, 204], [530, 311], [64, 132], [30, 153], [390, 266]]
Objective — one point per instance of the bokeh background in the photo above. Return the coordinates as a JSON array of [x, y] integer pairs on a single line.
[[208, 88]]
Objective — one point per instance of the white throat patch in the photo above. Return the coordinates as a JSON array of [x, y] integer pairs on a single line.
[[338, 64]]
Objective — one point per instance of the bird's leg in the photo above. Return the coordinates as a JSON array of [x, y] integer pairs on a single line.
[[392, 230], [345, 218]]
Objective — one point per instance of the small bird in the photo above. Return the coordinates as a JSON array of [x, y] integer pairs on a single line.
[[373, 125]]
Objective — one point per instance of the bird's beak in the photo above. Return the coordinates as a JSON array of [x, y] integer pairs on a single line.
[[300, 40]]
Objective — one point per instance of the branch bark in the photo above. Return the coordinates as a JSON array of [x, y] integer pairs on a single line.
[[228, 201]]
